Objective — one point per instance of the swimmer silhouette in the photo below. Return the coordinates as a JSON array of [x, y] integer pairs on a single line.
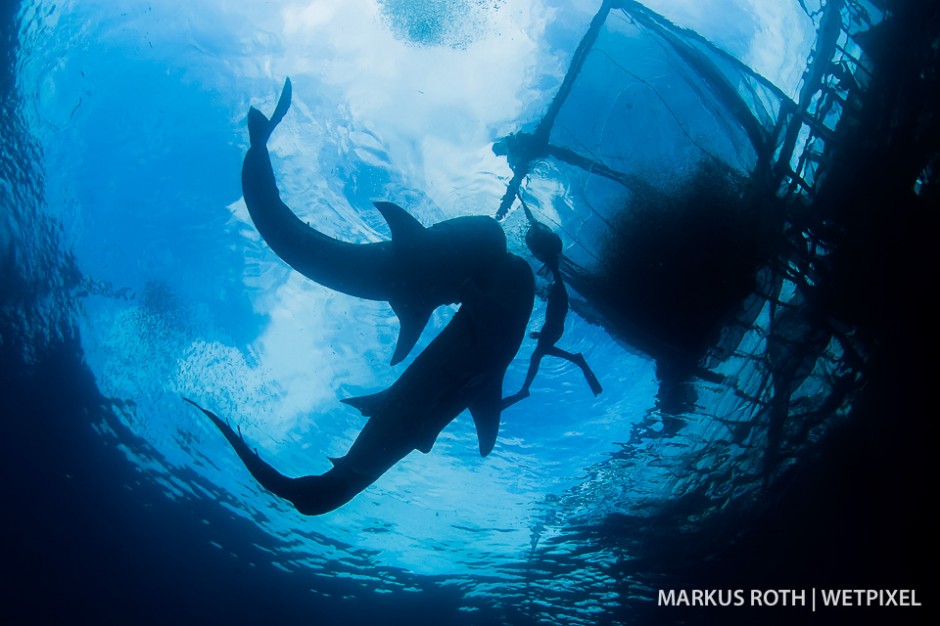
[[546, 247], [417, 271], [462, 368]]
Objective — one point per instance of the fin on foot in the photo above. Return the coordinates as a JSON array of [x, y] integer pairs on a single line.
[[593, 383], [589, 376]]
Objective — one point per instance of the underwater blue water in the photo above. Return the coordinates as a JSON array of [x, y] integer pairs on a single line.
[[134, 116]]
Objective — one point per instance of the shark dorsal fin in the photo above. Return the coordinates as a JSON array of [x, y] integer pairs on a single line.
[[485, 409], [405, 228], [368, 405], [413, 317]]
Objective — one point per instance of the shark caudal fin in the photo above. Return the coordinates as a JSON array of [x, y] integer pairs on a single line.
[[233, 438], [269, 478], [310, 495], [413, 314], [260, 127]]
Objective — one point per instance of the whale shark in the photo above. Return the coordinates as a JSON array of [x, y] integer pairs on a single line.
[[419, 269], [462, 368]]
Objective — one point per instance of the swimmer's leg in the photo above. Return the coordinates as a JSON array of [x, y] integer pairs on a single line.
[[578, 359], [523, 393]]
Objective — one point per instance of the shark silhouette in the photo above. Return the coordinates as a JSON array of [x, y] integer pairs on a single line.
[[462, 368], [417, 271]]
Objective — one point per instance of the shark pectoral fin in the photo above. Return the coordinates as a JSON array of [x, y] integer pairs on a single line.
[[413, 314], [405, 228], [368, 405], [485, 409], [412, 317]]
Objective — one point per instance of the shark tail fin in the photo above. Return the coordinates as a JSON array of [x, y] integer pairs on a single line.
[[220, 424], [283, 103], [260, 127], [269, 478]]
